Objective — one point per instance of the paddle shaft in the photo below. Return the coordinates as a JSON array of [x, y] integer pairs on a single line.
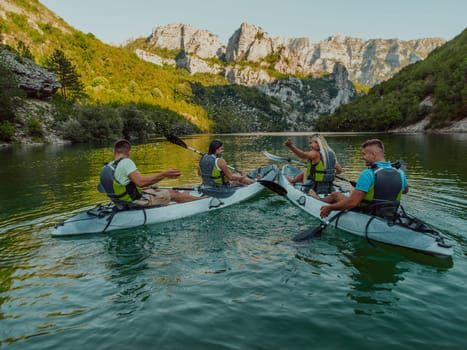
[[310, 233], [176, 188], [266, 183], [179, 142]]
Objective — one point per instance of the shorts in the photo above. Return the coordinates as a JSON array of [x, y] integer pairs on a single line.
[[153, 197]]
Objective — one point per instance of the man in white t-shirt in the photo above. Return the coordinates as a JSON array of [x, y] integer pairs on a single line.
[[130, 186]]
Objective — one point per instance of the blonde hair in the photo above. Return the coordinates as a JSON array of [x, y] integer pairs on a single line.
[[323, 147]]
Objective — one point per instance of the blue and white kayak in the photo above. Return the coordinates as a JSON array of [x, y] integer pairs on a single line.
[[108, 218], [406, 231]]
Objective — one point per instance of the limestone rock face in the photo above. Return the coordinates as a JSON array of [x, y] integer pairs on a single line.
[[368, 62], [36, 81], [153, 58], [326, 69], [199, 42], [247, 76], [310, 98]]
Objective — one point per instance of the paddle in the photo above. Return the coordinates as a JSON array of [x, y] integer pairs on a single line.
[[353, 183], [282, 159], [197, 188], [179, 142], [290, 160], [316, 232], [275, 187]]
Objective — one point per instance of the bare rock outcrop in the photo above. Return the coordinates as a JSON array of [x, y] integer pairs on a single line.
[[38, 82], [368, 62]]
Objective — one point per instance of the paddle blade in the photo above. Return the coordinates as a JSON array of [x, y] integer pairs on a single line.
[[399, 164], [176, 140], [275, 187], [309, 233]]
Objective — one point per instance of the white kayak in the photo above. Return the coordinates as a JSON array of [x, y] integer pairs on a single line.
[[109, 218], [406, 231]]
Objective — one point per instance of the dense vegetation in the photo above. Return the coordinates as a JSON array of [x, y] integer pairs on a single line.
[[108, 92], [10, 98], [235, 108], [97, 79], [434, 88], [108, 74]]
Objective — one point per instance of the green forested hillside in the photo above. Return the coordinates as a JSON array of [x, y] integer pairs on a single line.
[[113, 77], [235, 107], [126, 96], [435, 88], [109, 74]]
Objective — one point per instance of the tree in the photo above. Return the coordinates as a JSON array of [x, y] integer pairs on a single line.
[[24, 51], [10, 94], [72, 88]]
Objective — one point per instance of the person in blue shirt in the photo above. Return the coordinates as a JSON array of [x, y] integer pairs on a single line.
[[379, 183]]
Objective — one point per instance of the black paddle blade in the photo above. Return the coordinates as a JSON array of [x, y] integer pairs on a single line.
[[275, 187], [307, 234], [175, 140], [399, 164]]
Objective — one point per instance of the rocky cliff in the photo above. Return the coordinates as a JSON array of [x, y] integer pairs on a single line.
[[306, 99], [38, 82], [368, 62]]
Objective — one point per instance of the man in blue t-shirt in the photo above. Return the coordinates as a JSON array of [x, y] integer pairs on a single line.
[[373, 155]]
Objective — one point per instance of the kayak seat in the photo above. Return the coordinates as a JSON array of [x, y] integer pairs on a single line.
[[122, 206], [385, 209], [414, 223], [323, 188], [218, 191], [101, 211]]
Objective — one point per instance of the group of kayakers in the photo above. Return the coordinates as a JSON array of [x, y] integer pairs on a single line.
[[378, 187], [121, 180]]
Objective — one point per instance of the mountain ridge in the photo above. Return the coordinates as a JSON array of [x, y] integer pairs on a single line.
[[368, 62]]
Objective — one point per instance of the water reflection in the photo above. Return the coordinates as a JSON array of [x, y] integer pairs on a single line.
[[68, 287], [370, 272], [127, 264]]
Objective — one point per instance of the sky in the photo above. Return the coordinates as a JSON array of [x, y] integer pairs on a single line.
[[116, 21]]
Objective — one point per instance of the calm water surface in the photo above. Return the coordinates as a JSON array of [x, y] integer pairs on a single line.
[[230, 279]]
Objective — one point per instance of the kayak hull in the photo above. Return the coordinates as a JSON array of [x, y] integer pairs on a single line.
[[370, 227], [106, 218]]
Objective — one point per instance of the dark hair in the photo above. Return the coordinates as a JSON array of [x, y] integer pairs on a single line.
[[374, 142], [214, 145], [122, 146]]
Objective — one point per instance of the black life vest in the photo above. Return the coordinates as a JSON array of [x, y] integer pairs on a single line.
[[386, 192]]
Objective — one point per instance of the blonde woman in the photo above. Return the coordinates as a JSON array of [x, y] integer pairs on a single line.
[[321, 168]]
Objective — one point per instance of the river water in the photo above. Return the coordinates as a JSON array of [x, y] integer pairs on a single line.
[[232, 278]]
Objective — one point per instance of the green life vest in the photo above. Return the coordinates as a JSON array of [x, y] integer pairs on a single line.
[[114, 189], [318, 173], [210, 174]]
